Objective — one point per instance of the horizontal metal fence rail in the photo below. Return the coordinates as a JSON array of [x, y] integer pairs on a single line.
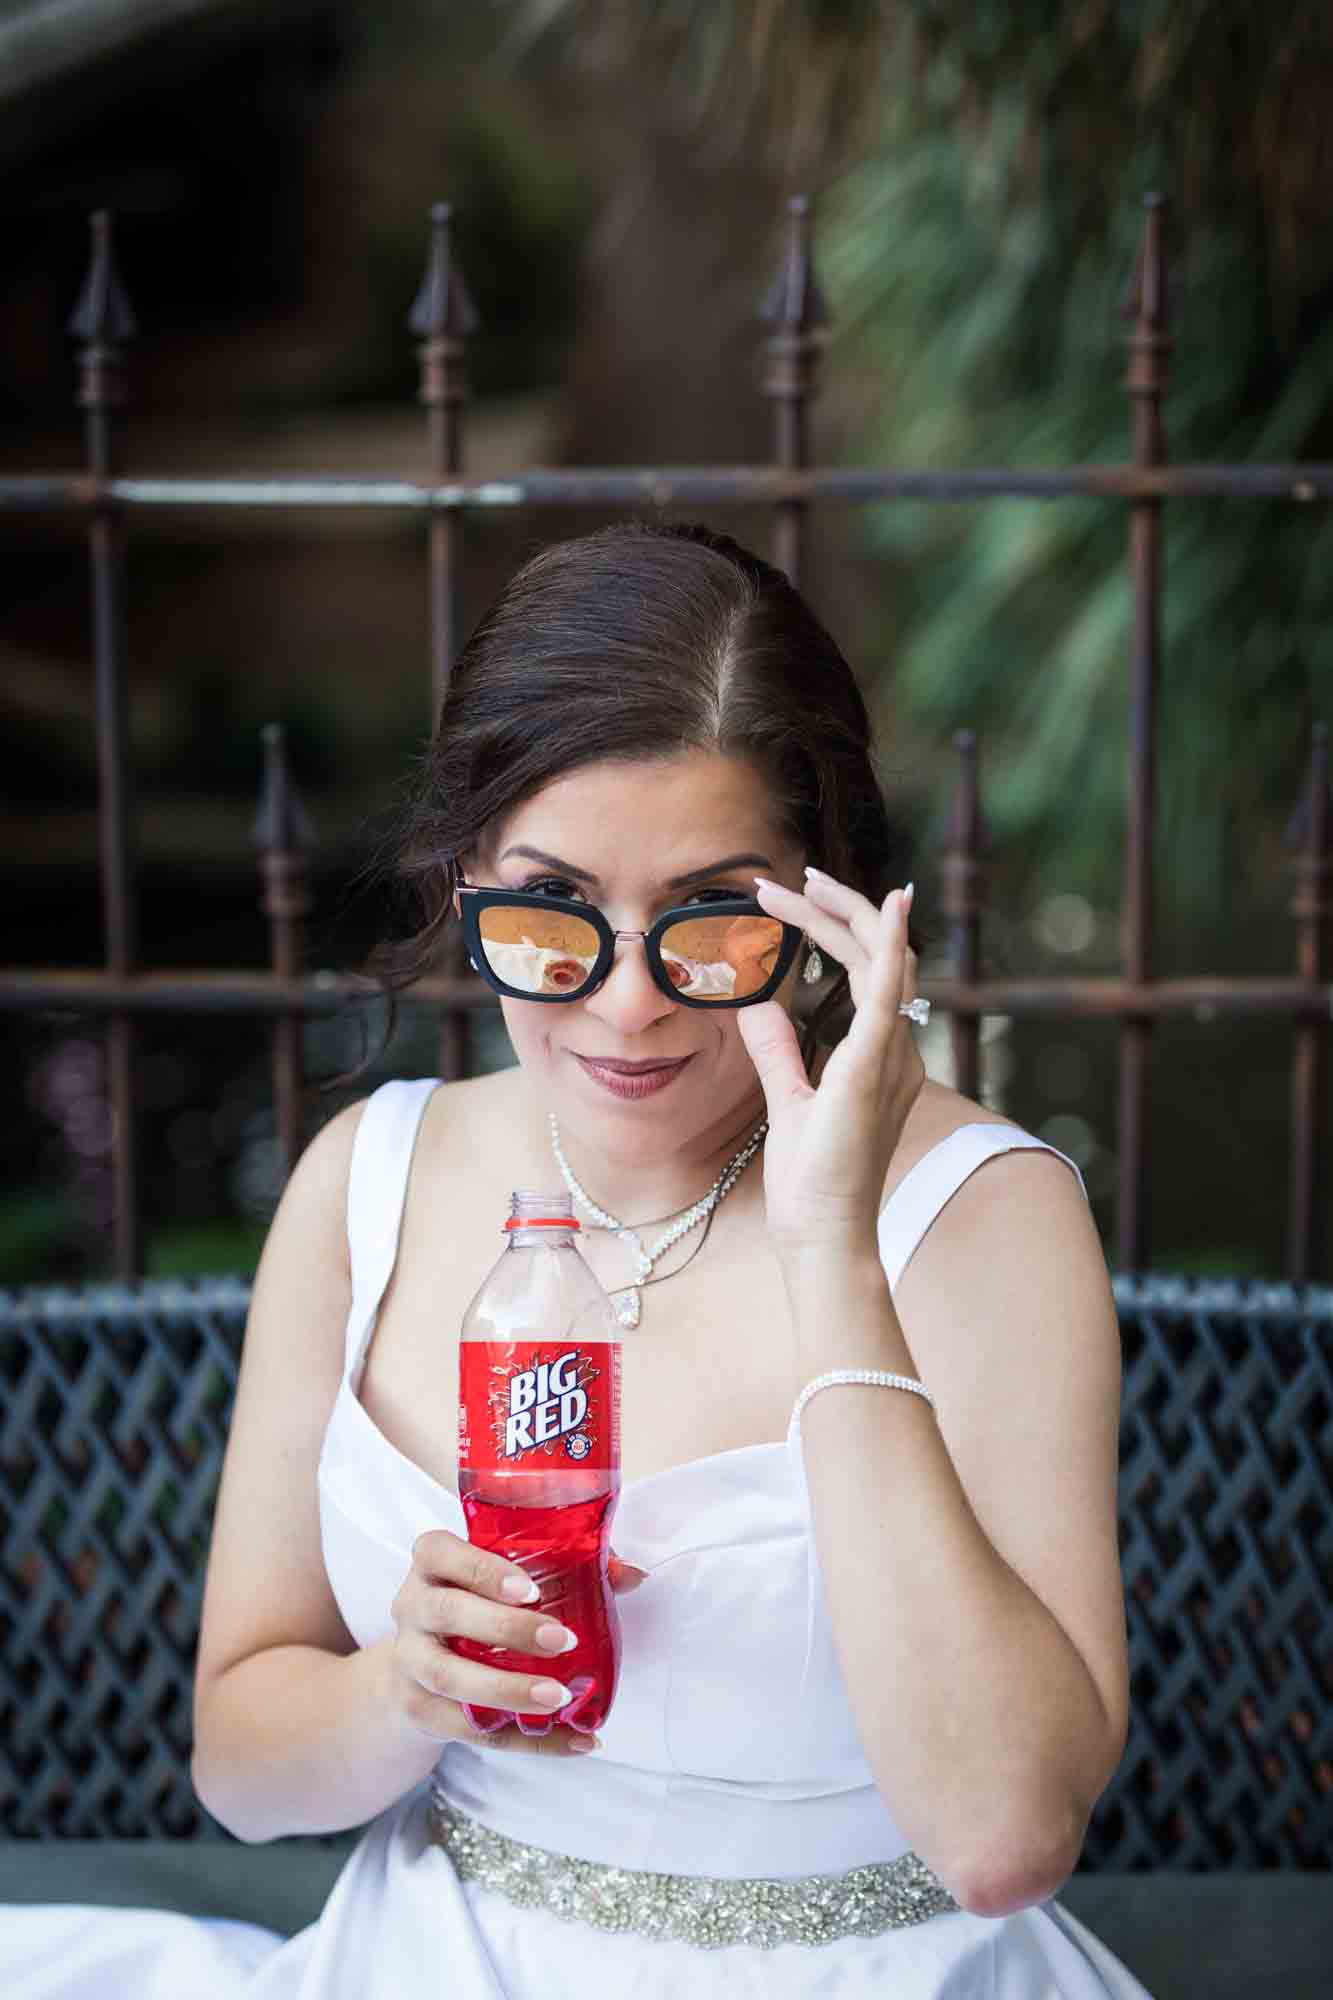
[[114, 1404], [445, 321], [319, 993], [676, 486]]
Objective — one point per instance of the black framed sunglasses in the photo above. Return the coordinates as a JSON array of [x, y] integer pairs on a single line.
[[720, 954]]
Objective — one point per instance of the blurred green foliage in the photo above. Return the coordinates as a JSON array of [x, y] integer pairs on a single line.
[[979, 165], [205, 1249], [41, 1236], [35, 1226]]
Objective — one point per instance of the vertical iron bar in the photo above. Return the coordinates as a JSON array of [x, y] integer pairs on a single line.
[[1311, 906], [794, 307], [444, 317], [1149, 345], [963, 871], [282, 832], [102, 320]]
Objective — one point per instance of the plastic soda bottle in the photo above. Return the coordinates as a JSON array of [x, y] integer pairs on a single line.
[[539, 1450]]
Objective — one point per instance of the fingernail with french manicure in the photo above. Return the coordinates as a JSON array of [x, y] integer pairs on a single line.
[[520, 1590], [556, 1639], [908, 894], [582, 1744], [550, 1694]]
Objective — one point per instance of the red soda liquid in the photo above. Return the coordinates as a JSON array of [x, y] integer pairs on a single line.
[[564, 1549]]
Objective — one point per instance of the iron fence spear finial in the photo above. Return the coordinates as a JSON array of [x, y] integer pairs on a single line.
[[103, 319], [794, 303], [103, 310], [1148, 306], [281, 822], [443, 317]]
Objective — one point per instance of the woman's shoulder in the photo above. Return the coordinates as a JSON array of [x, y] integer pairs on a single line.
[[460, 1108], [477, 1125], [319, 1179], [443, 1101], [939, 1112], [451, 1112], [446, 1135], [465, 1101]]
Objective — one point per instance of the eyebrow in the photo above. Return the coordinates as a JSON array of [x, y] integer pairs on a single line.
[[722, 867]]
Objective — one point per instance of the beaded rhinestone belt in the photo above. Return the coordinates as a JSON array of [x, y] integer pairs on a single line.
[[691, 1909]]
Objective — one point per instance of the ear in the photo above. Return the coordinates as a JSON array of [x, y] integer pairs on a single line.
[[462, 862]]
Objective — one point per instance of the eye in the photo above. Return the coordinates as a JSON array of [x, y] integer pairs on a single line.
[[558, 885], [550, 885]]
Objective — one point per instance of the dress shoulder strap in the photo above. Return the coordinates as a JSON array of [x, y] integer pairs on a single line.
[[386, 1136], [937, 1176]]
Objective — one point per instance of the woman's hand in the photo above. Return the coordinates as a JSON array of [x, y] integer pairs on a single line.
[[828, 1148], [456, 1590]]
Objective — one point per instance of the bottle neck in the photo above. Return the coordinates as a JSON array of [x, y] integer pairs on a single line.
[[535, 1218]]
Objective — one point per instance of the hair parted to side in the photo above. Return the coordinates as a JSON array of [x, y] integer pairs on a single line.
[[633, 643]]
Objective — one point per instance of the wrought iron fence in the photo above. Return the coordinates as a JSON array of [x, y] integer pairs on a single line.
[[445, 320]]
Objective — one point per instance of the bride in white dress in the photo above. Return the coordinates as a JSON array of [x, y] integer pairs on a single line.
[[874, 1670]]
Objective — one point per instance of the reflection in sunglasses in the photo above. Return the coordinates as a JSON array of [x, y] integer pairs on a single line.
[[728, 957], [690, 975], [535, 968]]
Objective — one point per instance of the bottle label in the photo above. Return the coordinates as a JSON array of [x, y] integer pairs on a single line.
[[540, 1403]]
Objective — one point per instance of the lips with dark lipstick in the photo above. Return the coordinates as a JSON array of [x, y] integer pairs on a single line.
[[633, 1068]]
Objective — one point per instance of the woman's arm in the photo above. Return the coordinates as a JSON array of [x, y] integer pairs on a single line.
[[971, 1566], [293, 1731], [296, 1729]]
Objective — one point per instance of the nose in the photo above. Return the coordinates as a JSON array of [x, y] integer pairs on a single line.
[[629, 1000]]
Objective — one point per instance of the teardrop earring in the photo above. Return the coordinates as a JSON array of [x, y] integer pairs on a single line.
[[814, 965]]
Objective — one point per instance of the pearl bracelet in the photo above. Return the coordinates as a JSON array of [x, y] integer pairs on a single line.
[[879, 1378]]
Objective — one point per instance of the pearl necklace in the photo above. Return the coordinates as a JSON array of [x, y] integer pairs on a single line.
[[626, 1299]]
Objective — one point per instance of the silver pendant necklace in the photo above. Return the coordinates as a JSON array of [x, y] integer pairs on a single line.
[[625, 1298]]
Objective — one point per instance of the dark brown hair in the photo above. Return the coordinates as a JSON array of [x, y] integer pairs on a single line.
[[633, 643]]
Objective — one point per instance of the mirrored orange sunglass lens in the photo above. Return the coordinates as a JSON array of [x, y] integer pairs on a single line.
[[721, 958], [536, 950]]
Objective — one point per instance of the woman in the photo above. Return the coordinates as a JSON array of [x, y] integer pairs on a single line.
[[877, 1656]]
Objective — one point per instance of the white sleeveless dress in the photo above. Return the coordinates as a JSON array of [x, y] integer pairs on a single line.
[[730, 1759]]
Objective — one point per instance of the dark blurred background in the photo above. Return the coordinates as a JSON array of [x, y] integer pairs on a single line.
[[618, 172]]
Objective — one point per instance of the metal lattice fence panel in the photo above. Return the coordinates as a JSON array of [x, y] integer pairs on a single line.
[[115, 1403], [1226, 1538]]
